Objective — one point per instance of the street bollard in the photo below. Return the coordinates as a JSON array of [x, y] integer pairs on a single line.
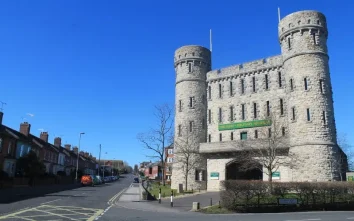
[[211, 201], [160, 195], [171, 198]]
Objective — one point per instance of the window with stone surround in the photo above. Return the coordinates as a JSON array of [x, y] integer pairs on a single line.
[[281, 107], [220, 137], [254, 110], [191, 124], [220, 114], [321, 86], [180, 130], [231, 89], [256, 134], [266, 82], [231, 113], [189, 67], [283, 131], [209, 138], [324, 117], [293, 117], [232, 135], [305, 84], [269, 132], [280, 79], [243, 135], [242, 86], [291, 84], [254, 84], [220, 91], [209, 91], [180, 105], [209, 116], [191, 102], [289, 43], [243, 111], [308, 114]]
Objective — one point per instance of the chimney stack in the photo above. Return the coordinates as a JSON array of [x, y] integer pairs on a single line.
[[67, 147], [1, 116], [75, 149], [44, 136], [25, 128], [86, 154], [81, 153], [57, 142]]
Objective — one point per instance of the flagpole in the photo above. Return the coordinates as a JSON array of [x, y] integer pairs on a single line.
[[211, 45], [279, 14]]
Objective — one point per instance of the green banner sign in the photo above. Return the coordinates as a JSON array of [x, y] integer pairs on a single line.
[[276, 174], [350, 178], [214, 175], [242, 125]]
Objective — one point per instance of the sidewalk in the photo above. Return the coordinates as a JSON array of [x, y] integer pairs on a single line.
[[132, 194]]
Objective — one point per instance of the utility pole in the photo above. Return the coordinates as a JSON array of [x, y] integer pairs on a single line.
[[99, 162]]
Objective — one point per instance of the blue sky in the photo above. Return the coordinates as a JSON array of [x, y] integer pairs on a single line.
[[99, 67]]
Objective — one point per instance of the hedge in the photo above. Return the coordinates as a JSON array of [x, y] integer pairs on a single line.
[[261, 196]]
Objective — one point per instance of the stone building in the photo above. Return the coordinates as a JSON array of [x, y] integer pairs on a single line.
[[217, 109]]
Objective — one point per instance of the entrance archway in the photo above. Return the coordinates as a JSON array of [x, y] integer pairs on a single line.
[[233, 172]]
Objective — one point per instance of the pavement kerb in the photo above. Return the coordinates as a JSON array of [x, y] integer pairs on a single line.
[[117, 196], [186, 195]]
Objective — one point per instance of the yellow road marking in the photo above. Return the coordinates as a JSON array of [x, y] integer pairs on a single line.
[[53, 214], [18, 217], [16, 213], [85, 214], [95, 215]]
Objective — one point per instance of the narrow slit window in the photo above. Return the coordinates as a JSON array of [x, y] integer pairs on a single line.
[[179, 130], [254, 110], [305, 84], [268, 109], [308, 114], [321, 86], [190, 102], [231, 113], [220, 137], [190, 67], [220, 91], [266, 82], [289, 43], [180, 106], [281, 107], [283, 131], [209, 138], [220, 115], [232, 135], [190, 126], [243, 112], [231, 92], [209, 90], [242, 86], [256, 134], [280, 79], [291, 84], [254, 84], [209, 116], [324, 117], [269, 132], [293, 113]]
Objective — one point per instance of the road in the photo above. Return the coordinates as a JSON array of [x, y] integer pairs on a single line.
[[99, 203], [84, 203]]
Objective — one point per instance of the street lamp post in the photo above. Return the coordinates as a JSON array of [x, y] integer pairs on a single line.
[[78, 152]]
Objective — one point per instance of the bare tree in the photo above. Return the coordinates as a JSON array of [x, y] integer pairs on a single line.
[[269, 151], [158, 138], [347, 149], [186, 155]]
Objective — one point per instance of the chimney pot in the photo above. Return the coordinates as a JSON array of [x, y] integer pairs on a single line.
[[25, 128], [57, 142], [75, 149], [67, 146], [44, 136]]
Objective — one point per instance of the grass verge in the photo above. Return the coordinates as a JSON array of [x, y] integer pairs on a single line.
[[215, 210]]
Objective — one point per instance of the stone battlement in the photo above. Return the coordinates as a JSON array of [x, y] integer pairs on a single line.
[[247, 68]]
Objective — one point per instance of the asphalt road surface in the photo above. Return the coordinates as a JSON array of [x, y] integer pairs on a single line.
[[100, 203], [84, 203]]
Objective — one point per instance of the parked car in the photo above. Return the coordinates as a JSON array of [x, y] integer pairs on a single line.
[[87, 180], [136, 180]]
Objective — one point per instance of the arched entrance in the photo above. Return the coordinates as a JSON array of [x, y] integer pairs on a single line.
[[234, 172]]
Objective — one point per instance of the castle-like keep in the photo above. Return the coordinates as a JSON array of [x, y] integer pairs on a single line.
[[220, 109]]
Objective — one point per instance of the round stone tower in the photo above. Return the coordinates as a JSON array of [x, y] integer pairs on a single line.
[[312, 131], [191, 66]]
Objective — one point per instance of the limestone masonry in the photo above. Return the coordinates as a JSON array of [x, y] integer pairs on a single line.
[[218, 108]]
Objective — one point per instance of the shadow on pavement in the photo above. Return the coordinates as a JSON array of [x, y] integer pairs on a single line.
[[16, 194]]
